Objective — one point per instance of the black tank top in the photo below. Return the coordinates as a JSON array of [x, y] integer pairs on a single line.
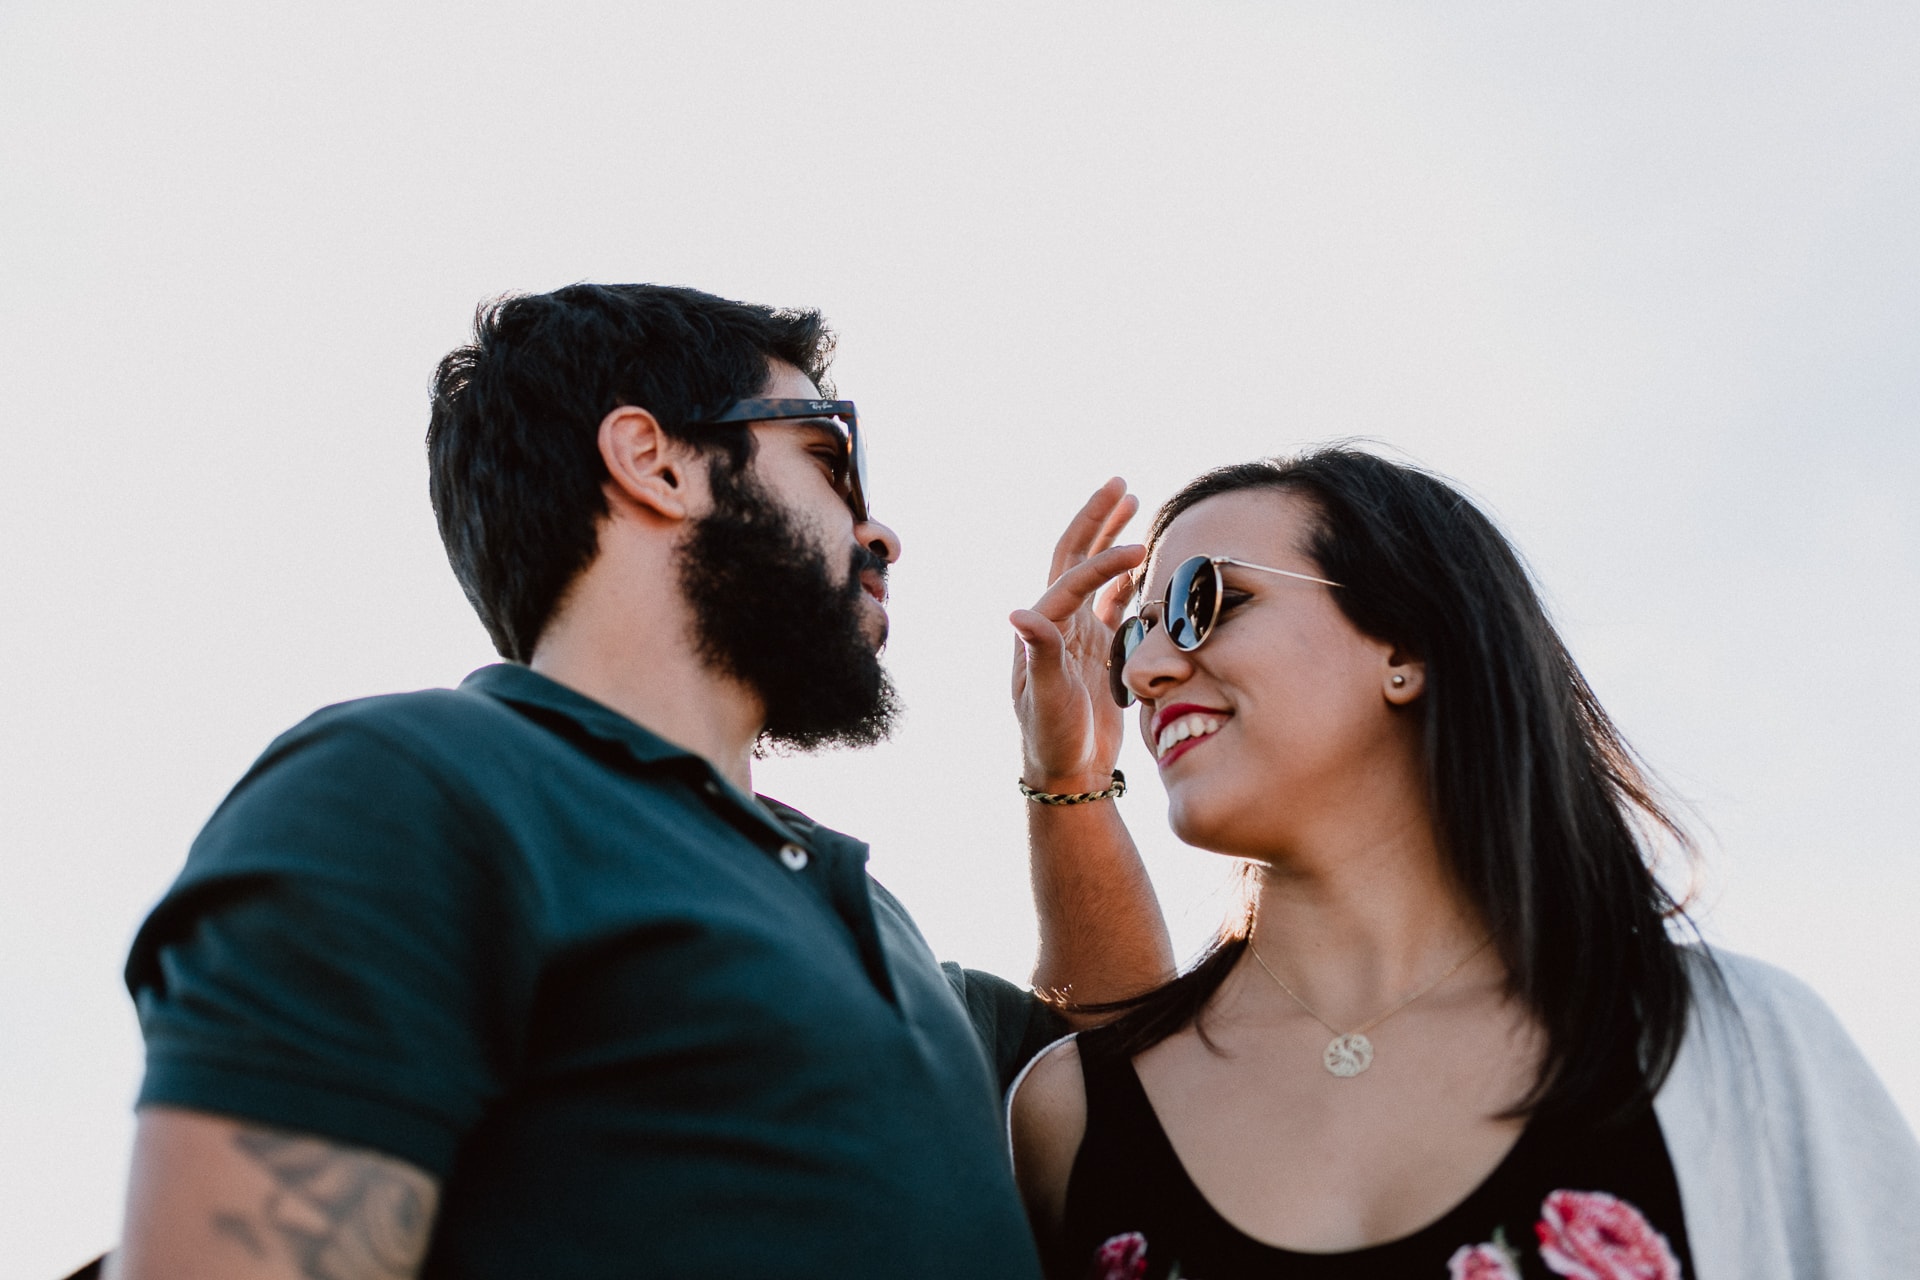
[[1574, 1197]]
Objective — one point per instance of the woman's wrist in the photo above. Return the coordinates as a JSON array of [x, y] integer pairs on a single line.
[[1112, 791], [1067, 780], [1039, 782]]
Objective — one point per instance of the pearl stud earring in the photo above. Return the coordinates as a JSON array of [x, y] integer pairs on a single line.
[[1398, 681]]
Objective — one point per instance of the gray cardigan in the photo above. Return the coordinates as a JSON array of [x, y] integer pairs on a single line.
[[1793, 1162]]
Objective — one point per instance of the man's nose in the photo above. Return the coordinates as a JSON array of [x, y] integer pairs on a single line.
[[878, 539]]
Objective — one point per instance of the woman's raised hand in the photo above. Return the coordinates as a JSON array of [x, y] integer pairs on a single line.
[[1069, 726]]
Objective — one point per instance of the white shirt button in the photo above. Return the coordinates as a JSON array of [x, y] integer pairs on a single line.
[[794, 856]]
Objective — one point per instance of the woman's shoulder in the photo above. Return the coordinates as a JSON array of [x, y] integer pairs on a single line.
[[1053, 1075], [1047, 1103], [1744, 1002], [1046, 1122], [1747, 978]]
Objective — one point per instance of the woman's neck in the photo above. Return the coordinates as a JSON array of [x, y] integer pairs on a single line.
[[1353, 925]]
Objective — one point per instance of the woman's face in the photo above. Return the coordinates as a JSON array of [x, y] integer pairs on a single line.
[[1286, 723]]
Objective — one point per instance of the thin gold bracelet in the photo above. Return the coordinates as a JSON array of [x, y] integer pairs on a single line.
[[1114, 792]]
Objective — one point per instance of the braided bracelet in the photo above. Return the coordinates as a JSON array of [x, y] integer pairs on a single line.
[[1114, 792]]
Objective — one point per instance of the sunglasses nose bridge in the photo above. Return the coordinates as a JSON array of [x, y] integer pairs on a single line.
[[1130, 645]]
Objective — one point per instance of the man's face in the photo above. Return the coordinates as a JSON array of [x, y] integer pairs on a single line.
[[788, 590]]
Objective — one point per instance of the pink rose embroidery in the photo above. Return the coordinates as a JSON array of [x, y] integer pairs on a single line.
[[1121, 1258], [1591, 1235], [1481, 1262]]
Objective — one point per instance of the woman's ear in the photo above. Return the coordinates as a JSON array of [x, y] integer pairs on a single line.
[[644, 464], [1403, 679]]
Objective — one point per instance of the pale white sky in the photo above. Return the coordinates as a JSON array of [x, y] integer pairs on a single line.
[[1641, 276]]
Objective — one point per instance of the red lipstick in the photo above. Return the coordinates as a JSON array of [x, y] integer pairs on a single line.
[[1168, 714]]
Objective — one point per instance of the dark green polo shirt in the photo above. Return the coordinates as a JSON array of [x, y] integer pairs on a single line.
[[636, 1022]]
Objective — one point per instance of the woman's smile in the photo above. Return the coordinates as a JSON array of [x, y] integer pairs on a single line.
[[1183, 726]]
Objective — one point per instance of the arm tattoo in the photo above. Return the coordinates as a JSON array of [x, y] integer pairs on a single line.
[[340, 1212]]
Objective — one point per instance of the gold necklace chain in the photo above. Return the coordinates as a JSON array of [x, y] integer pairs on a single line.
[[1350, 1052]]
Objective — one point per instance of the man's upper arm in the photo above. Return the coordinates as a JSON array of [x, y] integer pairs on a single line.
[[327, 996], [222, 1199], [1012, 1022], [345, 954]]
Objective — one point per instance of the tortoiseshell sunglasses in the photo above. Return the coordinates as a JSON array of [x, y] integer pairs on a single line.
[[839, 415]]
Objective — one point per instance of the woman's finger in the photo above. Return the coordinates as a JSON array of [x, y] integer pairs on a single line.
[[1073, 588], [1110, 604], [1077, 541], [1116, 520], [1043, 648]]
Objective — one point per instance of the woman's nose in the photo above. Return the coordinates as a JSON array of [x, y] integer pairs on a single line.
[[1156, 666]]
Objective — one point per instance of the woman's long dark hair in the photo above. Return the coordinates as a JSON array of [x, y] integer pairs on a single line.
[[1541, 811]]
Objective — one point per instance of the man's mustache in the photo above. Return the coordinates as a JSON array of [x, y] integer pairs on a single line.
[[865, 558]]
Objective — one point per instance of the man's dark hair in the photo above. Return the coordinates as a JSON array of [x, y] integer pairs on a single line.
[[513, 449], [1545, 818]]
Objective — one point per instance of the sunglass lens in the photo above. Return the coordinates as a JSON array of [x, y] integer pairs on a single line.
[[857, 464], [1191, 597], [1125, 640]]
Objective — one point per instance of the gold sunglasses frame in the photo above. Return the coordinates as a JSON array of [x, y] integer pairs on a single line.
[[1119, 652]]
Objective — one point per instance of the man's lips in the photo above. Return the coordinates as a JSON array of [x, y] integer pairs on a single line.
[[873, 585], [1181, 726]]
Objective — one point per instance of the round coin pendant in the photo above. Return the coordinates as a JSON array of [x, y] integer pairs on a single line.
[[1348, 1055]]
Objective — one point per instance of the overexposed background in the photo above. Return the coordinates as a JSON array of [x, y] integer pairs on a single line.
[[1641, 276]]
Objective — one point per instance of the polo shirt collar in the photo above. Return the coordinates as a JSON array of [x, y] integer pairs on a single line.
[[524, 687]]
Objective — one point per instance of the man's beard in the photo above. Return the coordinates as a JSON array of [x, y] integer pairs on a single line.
[[768, 611]]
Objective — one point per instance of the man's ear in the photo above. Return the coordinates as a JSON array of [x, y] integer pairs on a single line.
[[646, 465]]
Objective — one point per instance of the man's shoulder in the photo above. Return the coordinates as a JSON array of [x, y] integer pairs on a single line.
[[420, 714], [374, 765], [440, 730]]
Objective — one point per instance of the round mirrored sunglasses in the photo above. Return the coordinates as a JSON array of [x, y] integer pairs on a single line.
[[1189, 611]]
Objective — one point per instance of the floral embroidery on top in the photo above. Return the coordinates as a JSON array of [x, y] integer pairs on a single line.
[[1590, 1235], [1584, 1235], [1483, 1262], [1123, 1257]]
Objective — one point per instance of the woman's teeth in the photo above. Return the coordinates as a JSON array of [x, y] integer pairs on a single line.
[[1191, 725]]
